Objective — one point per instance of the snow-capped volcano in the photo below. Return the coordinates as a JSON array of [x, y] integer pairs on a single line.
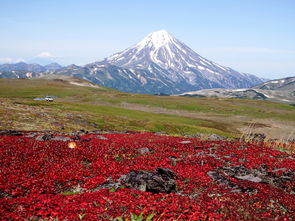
[[161, 48], [159, 63], [183, 64]]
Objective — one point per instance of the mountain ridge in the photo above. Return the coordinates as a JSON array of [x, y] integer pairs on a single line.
[[279, 90], [287, 83], [159, 63], [22, 66]]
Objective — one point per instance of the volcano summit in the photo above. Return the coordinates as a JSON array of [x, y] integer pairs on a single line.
[[159, 63]]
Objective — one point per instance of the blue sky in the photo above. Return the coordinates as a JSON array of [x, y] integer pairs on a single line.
[[253, 36]]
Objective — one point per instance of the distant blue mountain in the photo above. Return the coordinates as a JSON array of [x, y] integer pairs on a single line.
[[22, 66]]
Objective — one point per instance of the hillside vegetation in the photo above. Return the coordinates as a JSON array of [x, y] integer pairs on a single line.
[[90, 108]]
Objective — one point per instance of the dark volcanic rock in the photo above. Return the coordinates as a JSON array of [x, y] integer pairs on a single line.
[[78, 138], [45, 137], [161, 181], [258, 175], [10, 132], [101, 137], [144, 150], [61, 138], [215, 137], [254, 137]]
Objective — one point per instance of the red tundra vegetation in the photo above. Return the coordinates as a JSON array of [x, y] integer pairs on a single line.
[[75, 178]]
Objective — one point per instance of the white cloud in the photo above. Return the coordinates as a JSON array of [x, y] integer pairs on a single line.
[[6, 60], [45, 54], [19, 60], [10, 60]]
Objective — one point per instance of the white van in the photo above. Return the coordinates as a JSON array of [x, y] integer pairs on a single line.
[[49, 98]]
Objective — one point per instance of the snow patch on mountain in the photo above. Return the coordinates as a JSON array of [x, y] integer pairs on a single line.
[[182, 63]]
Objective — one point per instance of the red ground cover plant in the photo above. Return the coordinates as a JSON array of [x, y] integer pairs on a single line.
[[215, 179]]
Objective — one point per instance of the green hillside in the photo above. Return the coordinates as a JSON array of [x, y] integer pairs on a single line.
[[90, 108]]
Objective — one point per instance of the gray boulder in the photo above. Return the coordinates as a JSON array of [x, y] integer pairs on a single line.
[[161, 181], [144, 150], [48, 137], [215, 137], [10, 133]]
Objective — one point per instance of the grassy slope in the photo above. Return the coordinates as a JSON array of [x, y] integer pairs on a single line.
[[98, 108]]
